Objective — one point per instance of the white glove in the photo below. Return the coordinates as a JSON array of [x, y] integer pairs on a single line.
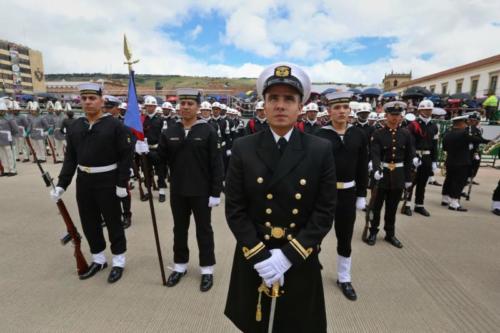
[[370, 166], [361, 203], [378, 175], [434, 166], [56, 193], [408, 184], [228, 152], [416, 162], [141, 147], [273, 269], [121, 192], [213, 201], [477, 157], [131, 173]]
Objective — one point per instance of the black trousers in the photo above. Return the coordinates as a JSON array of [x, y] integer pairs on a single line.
[[345, 216], [456, 178], [182, 207], [126, 204], [391, 198], [475, 167], [96, 197], [158, 166], [496, 193], [424, 171]]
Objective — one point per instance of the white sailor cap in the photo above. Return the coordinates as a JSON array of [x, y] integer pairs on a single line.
[[90, 88], [336, 97], [189, 93], [205, 106], [111, 101], [426, 104], [285, 73], [457, 118], [259, 105], [395, 107], [58, 106], [312, 107]]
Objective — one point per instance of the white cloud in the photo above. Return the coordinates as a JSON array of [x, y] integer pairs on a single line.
[[86, 36]]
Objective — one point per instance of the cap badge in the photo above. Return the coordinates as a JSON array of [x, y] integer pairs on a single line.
[[282, 71]]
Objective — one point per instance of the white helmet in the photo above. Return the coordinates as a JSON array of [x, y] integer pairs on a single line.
[[426, 104], [381, 116], [216, 105], [410, 117], [67, 107], [372, 116], [150, 100], [259, 105], [158, 109], [3, 106], [167, 105], [34, 106], [205, 106], [352, 114], [354, 106], [364, 107], [15, 106], [304, 109], [49, 105], [123, 106], [58, 106], [312, 107], [223, 107]]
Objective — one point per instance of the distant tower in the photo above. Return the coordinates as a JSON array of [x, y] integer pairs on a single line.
[[392, 80]]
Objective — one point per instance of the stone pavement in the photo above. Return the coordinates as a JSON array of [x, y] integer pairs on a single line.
[[445, 279]]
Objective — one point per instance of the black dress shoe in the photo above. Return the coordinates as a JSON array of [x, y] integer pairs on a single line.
[[347, 290], [475, 183], [115, 274], [393, 241], [422, 211], [496, 211], [174, 278], [372, 239], [145, 197], [26, 160], [435, 183], [3, 175], [406, 211], [93, 269], [444, 204], [161, 198], [458, 209], [207, 281], [42, 161], [11, 174], [127, 220]]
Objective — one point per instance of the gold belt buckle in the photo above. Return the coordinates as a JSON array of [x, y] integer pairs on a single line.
[[340, 186], [277, 232], [391, 166]]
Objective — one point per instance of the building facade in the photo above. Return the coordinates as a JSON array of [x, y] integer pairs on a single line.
[[476, 78], [21, 69], [392, 80]]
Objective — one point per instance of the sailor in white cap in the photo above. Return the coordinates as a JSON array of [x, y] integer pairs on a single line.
[[279, 211], [206, 110], [223, 130], [192, 151], [311, 124], [167, 115], [425, 135], [22, 125], [456, 144], [38, 131], [350, 148], [362, 113], [8, 132], [372, 119], [51, 120], [99, 150], [259, 122], [59, 136]]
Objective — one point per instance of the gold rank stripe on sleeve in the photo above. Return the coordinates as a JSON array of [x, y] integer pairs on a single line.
[[300, 249], [252, 252]]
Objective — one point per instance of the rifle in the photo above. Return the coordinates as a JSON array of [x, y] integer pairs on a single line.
[[81, 263], [52, 150], [407, 191], [369, 212]]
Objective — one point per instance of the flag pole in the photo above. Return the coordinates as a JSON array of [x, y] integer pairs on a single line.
[[144, 160]]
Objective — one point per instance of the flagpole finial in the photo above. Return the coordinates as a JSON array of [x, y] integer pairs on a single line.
[[128, 54]]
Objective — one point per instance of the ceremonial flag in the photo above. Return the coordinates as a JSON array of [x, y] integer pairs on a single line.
[[133, 115]]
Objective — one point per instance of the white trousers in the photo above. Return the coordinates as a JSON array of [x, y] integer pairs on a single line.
[[21, 148], [39, 147], [59, 147], [7, 158]]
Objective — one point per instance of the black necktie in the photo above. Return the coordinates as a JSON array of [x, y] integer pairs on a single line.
[[282, 145]]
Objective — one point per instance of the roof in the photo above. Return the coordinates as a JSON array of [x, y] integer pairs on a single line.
[[454, 70]]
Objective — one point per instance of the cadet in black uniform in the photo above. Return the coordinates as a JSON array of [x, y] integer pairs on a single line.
[[456, 143], [259, 122], [223, 131], [153, 125], [495, 204], [193, 154], [362, 123], [425, 137], [392, 153], [311, 123], [350, 149], [279, 212], [99, 147], [474, 119]]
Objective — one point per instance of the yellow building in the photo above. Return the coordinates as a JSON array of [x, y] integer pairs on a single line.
[[21, 69]]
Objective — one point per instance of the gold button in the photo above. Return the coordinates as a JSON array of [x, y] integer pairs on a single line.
[[260, 180], [267, 237], [267, 224], [289, 237], [269, 196], [292, 225], [268, 211], [393, 148], [298, 196], [295, 211], [303, 182]]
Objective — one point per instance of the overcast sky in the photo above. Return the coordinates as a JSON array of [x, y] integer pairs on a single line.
[[337, 41]]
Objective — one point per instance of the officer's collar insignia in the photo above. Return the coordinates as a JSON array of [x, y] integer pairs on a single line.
[[282, 71]]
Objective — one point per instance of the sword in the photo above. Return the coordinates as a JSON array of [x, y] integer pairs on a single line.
[[274, 296]]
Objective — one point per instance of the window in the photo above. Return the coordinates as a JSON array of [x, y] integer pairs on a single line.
[[473, 86], [493, 83], [444, 88], [432, 88], [460, 83], [395, 83]]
